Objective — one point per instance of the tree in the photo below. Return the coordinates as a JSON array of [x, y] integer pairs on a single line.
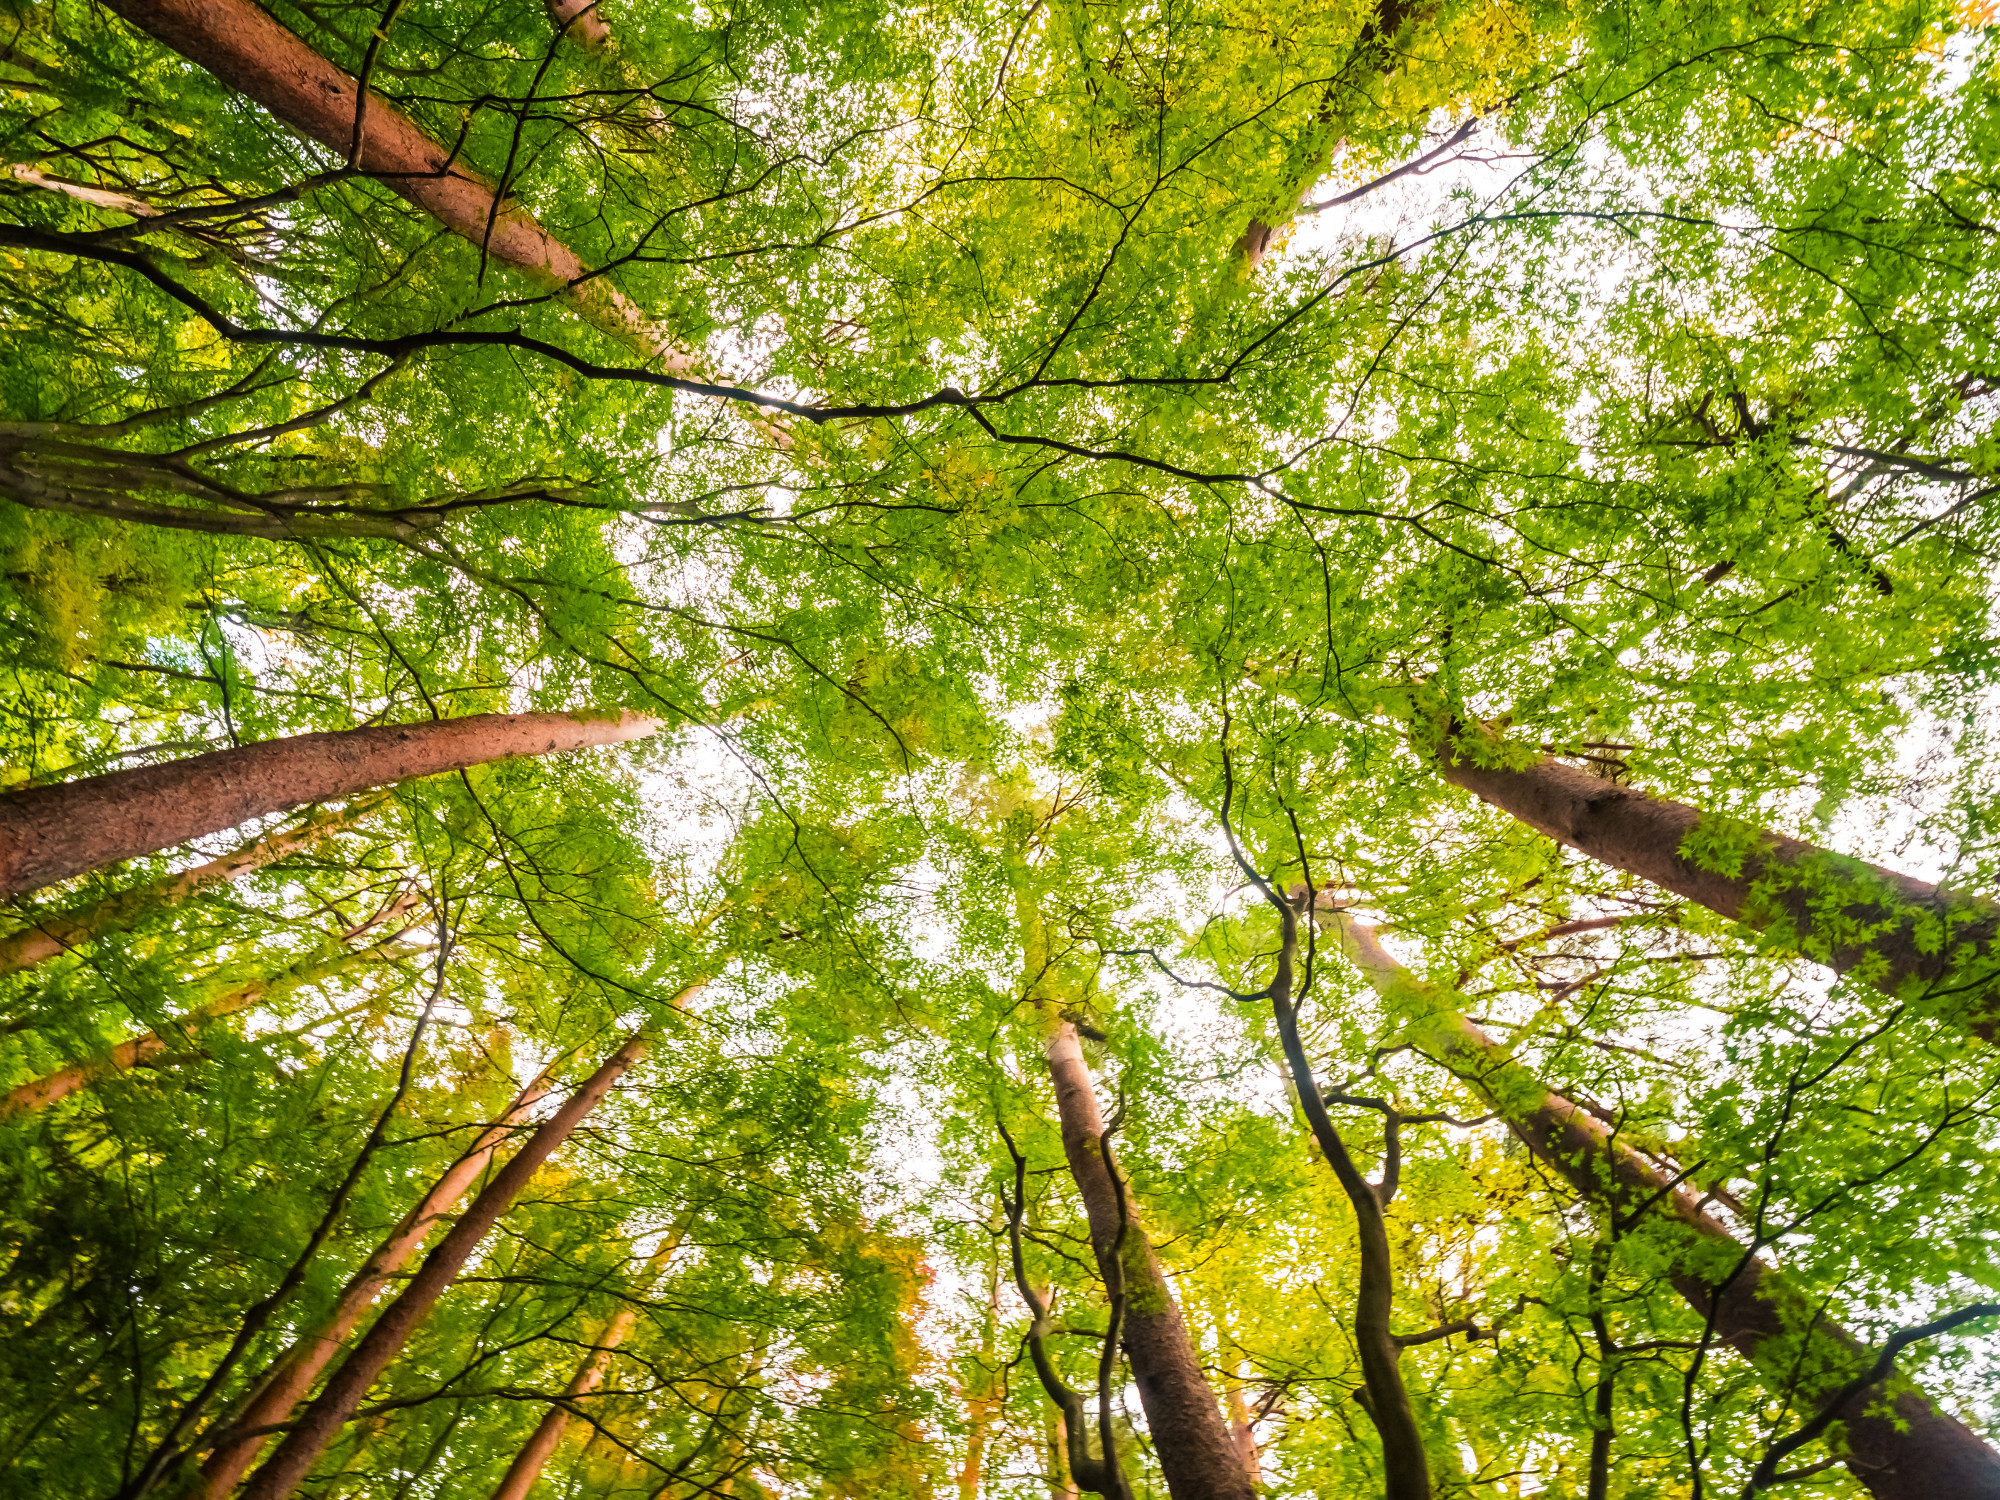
[[1073, 497]]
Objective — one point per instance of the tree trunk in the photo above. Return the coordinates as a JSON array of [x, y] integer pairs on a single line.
[[541, 1445], [292, 1375], [322, 1420], [40, 1093], [1905, 937], [581, 22], [1197, 1455], [1909, 1451], [1244, 1434], [59, 932], [1405, 1464], [252, 53], [982, 1399], [53, 833]]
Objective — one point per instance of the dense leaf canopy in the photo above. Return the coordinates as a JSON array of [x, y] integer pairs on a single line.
[[1068, 477]]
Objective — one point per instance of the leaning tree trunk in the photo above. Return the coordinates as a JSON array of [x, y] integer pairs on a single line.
[[1198, 1457], [580, 21], [55, 832], [247, 49], [1903, 1448], [293, 1374], [60, 932], [40, 1093], [1902, 935], [321, 1422], [541, 1445]]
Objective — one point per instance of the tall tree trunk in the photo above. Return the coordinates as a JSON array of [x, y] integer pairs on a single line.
[[247, 49], [321, 1421], [1902, 935], [1244, 1434], [294, 1372], [541, 1445], [1405, 1464], [53, 833], [982, 1397], [1903, 1448], [1197, 1455], [40, 1093], [59, 932]]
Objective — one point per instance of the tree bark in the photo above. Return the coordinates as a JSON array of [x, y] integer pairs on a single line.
[[1901, 935], [60, 932], [1244, 1434], [56, 832], [581, 22], [1405, 1464], [329, 1412], [534, 1455], [1197, 1455], [1904, 1449], [252, 53], [39, 1093], [294, 1372]]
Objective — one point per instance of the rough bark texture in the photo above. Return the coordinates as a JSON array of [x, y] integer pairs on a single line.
[[1912, 1451], [255, 55], [55, 832], [1197, 1454], [535, 1453], [295, 1371], [40, 1093], [330, 1411], [60, 931], [1899, 934]]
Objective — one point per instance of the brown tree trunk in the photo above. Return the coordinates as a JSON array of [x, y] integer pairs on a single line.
[[1197, 1455], [535, 1453], [1904, 936], [292, 1375], [251, 52], [1405, 1463], [321, 1422], [1909, 1450], [53, 833], [40, 1093], [59, 932], [581, 22]]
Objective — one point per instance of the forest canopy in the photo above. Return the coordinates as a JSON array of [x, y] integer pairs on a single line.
[[1190, 749]]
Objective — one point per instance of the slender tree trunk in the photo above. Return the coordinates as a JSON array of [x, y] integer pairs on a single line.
[[293, 1374], [1062, 1484], [56, 832], [1197, 1455], [1901, 1449], [981, 1399], [321, 1421], [1244, 1435], [1901, 935], [40, 1093], [251, 52], [1405, 1465], [541, 1445], [59, 932]]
